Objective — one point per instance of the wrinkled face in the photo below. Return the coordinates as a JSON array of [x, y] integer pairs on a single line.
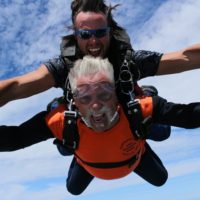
[[96, 100], [98, 43]]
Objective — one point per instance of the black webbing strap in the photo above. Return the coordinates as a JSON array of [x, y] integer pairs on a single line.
[[132, 65], [70, 131], [129, 74], [139, 125], [105, 165]]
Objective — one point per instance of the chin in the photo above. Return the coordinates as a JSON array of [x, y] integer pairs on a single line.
[[99, 129]]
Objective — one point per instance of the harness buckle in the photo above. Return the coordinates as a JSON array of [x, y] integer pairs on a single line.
[[134, 104], [70, 114]]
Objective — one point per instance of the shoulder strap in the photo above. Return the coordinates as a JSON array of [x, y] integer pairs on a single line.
[[139, 125], [68, 50], [70, 131], [129, 88], [68, 46], [68, 55], [70, 141]]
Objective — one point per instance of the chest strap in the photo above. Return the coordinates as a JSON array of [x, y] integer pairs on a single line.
[[106, 165]]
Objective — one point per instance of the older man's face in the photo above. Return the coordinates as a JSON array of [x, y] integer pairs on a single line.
[[96, 41], [96, 100]]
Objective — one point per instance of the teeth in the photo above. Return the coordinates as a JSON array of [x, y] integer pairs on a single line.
[[97, 115], [94, 49]]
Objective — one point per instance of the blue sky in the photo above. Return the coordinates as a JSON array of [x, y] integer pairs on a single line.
[[30, 34]]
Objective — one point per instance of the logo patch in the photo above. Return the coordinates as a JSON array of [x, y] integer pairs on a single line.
[[129, 147]]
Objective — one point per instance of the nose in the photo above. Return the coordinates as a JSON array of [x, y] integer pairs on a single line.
[[93, 39], [96, 105]]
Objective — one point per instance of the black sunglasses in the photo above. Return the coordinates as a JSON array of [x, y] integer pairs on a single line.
[[87, 34]]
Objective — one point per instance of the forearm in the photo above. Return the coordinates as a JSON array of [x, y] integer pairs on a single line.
[[30, 132], [180, 115], [25, 85], [12, 89], [183, 60], [8, 90]]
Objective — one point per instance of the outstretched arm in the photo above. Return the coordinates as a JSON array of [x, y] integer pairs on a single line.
[[25, 85], [180, 115], [183, 60], [28, 133]]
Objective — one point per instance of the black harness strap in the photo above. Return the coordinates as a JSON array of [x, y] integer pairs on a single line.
[[139, 125], [129, 74], [70, 131], [105, 165]]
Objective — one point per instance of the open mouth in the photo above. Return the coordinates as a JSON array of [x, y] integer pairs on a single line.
[[94, 51], [98, 118]]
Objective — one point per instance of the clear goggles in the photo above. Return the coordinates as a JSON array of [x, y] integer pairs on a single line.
[[100, 91]]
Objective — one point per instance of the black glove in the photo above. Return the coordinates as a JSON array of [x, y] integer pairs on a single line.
[[149, 90], [61, 148]]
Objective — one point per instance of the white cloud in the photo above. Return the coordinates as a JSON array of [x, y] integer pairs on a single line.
[[15, 111], [32, 31], [173, 26]]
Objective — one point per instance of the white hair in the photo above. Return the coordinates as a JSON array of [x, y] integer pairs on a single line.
[[89, 66]]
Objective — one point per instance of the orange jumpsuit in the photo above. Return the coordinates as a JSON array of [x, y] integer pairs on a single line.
[[114, 145]]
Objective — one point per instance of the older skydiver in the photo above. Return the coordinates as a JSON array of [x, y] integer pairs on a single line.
[[107, 147]]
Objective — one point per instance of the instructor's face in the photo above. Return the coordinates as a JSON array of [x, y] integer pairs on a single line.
[[92, 33], [96, 100]]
